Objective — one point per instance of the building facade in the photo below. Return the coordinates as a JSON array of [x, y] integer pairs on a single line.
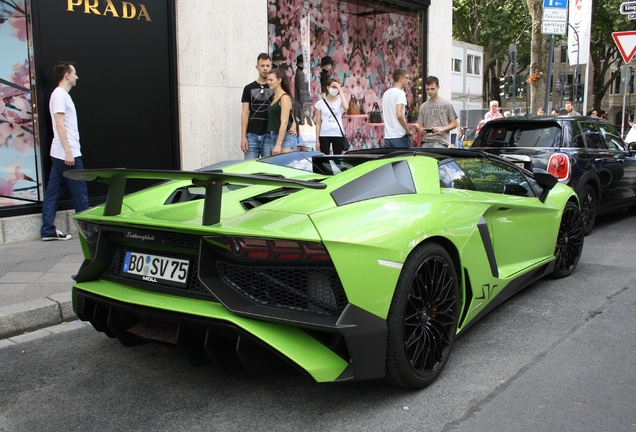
[[160, 82]]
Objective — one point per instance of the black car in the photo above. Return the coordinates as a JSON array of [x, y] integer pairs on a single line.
[[585, 153]]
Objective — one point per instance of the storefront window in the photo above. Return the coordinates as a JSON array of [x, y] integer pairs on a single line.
[[366, 42], [18, 144]]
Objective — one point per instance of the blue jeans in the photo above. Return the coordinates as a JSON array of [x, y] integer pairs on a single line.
[[402, 142], [289, 142], [55, 189], [256, 146]]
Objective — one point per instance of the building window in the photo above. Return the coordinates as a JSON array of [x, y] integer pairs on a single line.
[[473, 64], [457, 65], [617, 85], [564, 55]]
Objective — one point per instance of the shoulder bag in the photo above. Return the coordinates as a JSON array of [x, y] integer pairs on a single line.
[[345, 141]]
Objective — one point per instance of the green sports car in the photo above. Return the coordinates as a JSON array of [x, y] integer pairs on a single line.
[[351, 267]]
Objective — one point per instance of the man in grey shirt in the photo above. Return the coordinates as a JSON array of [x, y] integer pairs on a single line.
[[569, 107], [437, 117]]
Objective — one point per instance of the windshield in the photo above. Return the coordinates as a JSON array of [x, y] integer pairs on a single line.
[[315, 162], [530, 134]]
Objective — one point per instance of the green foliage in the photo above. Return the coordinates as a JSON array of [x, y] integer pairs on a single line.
[[606, 19], [494, 24]]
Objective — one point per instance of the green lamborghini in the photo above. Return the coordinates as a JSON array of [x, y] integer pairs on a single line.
[[360, 266]]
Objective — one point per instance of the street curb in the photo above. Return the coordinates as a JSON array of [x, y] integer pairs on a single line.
[[35, 314]]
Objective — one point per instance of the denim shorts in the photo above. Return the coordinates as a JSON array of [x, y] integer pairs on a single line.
[[289, 142]]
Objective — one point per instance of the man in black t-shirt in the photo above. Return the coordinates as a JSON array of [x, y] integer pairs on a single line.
[[255, 100]]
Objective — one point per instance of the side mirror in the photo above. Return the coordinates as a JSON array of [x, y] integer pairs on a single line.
[[546, 181]]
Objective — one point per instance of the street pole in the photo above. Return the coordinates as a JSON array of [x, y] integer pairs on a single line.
[[548, 78]]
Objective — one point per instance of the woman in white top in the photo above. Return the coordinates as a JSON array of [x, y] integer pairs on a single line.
[[328, 124]]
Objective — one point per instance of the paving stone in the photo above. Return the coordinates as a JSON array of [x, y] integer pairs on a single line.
[[56, 277], [28, 337], [70, 268], [34, 265], [61, 328], [27, 316], [20, 277], [4, 343], [12, 290], [73, 258], [65, 300]]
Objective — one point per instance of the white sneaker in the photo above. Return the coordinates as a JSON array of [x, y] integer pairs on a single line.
[[59, 235]]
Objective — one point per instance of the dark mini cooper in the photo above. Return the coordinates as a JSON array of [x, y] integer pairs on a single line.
[[585, 153]]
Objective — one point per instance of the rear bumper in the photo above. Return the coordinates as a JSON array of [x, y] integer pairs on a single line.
[[354, 348]]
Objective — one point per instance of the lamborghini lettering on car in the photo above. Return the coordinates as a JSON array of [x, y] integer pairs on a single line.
[[349, 267]]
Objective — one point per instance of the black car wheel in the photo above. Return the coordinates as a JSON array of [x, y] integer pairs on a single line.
[[588, 208], [569, 243], [422, 321]]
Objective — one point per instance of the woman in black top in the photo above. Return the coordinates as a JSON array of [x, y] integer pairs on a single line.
[[279, 114]]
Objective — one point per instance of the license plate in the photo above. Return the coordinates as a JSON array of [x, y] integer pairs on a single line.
[[155, 268]]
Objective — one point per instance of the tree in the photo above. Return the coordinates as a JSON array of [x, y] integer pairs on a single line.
[[538, 59], [606, 18], [480, 22]]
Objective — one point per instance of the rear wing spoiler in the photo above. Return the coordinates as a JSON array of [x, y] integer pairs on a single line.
[[212, 181]]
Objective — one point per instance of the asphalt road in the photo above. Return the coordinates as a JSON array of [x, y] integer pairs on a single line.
[[561, 355]]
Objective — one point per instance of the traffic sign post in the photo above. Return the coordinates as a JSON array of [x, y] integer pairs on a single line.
[[555, 17], [554, 22]]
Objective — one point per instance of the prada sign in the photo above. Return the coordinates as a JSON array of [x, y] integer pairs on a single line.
[[124, 9]]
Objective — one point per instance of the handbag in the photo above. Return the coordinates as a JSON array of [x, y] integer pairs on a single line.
[[345, 141], [354, 107], [375, 116]]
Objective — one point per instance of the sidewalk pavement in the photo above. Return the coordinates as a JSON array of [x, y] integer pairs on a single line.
[[35, 284]]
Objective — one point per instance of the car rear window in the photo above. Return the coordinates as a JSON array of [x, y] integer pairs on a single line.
[[537, 134]]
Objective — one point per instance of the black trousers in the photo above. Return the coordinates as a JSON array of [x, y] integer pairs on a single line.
[[331, 143]]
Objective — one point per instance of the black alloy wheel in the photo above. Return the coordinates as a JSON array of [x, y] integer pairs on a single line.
[[422, 321], [588, 208], [569, 243]]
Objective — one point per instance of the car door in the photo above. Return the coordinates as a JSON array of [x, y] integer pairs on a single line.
[[604, 163], [522, 227], [625, 187]]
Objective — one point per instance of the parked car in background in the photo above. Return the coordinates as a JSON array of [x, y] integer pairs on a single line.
[[585, 153]]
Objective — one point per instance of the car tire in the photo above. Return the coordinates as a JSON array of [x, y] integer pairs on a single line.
[[569, 244], [632, 209], [422, 321], [587, 196]]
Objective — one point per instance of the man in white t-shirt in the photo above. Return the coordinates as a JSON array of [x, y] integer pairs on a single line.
[[65, 153], [396, 131]]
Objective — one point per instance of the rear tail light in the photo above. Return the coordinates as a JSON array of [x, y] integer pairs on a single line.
[[271, 249], [559, 166]]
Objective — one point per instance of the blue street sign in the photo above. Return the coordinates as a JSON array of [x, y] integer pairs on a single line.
[[557, 4]]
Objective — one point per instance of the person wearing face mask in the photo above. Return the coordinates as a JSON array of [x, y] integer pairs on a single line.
[[329, 127], [325, 73]]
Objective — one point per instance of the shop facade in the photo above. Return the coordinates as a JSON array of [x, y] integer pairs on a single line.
[[160, 82]]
